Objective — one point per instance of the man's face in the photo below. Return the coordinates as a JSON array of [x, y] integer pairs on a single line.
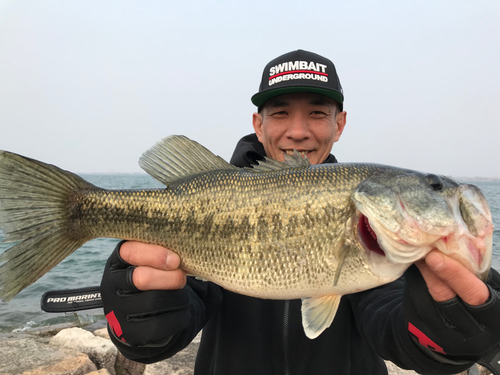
[[303, 121]]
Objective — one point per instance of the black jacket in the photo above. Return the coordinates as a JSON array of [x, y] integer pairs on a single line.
[[245, 335]]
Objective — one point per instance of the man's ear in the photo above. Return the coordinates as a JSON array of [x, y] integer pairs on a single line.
[[257, 124], [341, 120]]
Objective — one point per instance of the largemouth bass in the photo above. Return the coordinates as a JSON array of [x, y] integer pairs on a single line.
[[278, 230]]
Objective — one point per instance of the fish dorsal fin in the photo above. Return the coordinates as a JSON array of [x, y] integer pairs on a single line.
[[177, 156], [294, 161], [318, 313]]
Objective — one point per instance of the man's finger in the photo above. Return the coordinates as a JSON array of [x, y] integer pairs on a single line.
[[141, 254], [438, 289], [458, 278], [147, 278]]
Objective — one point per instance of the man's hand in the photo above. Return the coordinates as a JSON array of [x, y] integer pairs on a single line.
[[157, 268], [446, 278], [143, 294], [449, 310]]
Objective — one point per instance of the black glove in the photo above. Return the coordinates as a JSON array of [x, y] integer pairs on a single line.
[[140, 318], [452, 328]]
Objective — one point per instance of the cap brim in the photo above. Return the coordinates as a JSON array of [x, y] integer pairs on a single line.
[[260, 98]]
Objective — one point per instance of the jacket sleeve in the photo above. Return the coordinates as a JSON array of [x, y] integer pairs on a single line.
[[383, 323]]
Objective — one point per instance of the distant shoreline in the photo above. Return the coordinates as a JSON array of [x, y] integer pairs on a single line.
[[477, 178]]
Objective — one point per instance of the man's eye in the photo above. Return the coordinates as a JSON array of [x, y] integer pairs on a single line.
[[279, 113], [318, 113]]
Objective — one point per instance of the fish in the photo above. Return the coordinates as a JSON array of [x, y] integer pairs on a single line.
[[277, 230]]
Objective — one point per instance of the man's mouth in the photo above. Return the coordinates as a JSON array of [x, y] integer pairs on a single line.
[[290, 152]]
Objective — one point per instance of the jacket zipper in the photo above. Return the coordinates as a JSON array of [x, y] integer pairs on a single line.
[[285, 337]]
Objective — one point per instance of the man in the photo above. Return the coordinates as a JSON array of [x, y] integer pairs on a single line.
[[154, 310]]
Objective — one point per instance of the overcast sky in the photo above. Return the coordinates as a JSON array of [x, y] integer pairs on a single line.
[[90, 85]]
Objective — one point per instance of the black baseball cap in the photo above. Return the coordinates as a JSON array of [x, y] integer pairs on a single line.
[[299, 71]]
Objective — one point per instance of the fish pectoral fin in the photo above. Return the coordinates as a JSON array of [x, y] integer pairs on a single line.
[[318, 313], [196, 277], [177, 157], [343, 252]]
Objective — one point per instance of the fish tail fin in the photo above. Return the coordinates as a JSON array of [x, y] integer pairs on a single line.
[[35, 200]]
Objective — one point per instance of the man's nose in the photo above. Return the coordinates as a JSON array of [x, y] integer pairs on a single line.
[[298, 128]]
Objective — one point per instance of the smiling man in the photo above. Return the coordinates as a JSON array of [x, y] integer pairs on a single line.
[[300, 107], [154, 310], [310, 123]]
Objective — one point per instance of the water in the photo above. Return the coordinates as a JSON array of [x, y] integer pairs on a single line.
[[85, 266]]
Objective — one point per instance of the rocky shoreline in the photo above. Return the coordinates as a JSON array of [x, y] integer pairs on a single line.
[[65, 349], [69, 350]]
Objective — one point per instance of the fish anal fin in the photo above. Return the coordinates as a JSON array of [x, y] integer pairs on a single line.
[[318, 313]]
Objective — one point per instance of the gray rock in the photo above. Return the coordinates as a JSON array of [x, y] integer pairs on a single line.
[[50, 330], [102, 332], [125, 366], [24, 354], [483, 370], [101, 351], [102, 371], [395, 370], [180, 364]]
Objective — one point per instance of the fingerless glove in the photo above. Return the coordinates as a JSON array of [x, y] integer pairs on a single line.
[[141, 318], [452, 328]]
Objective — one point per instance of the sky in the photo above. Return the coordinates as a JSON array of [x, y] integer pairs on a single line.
[[90, 85]]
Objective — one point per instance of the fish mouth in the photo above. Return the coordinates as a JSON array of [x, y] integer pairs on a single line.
[[368, 236], [379, 261]]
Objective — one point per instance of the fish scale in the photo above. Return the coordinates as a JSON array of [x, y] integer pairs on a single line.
[[278, 230], [269, 238]]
